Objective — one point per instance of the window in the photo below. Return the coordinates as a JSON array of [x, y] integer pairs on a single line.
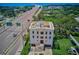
[[33, 36], [32, 44], [33, 32], [41, 37], [49, 32], [37, 36], [45, 37], [41, 41], [48, 46], [42, 32], [41, 54], [49, 37], [45, 40], [46, 33], [37, 32]]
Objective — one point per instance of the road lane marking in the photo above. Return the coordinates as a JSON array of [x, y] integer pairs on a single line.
[[11, 46]]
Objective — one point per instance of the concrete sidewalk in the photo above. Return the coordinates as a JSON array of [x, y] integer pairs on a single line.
[[22, 42], [34, 51]]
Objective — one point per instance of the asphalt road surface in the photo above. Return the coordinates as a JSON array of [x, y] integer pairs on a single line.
[[9, 43]]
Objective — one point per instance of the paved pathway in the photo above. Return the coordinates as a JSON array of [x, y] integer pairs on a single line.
[[37, 51]]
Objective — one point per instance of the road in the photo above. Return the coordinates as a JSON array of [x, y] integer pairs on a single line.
[[74, 40], [77, 19], [10, 44]]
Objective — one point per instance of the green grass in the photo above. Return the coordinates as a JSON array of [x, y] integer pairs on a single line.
[[63, 23], [54, 20], [64, 45], [58, 52], [26, 48], [77, 38]]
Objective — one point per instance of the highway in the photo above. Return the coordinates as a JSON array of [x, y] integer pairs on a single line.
[[8, 43]]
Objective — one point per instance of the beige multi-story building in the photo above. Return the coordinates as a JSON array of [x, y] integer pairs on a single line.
[[41, 33]]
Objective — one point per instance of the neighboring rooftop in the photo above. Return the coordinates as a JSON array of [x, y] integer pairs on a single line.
[[42, 25]]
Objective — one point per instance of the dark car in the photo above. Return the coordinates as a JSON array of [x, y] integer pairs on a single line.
[[14, 34], [9, 24]]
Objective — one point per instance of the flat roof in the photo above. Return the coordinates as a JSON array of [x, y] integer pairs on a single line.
[[41, 25]]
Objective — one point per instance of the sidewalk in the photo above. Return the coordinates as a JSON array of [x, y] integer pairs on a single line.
[[18, 52], [34, 51]]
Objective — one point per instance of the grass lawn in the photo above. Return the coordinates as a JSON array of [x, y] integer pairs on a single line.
[[64, 45], [58, 52], [54, 20], [77, 38], [63, 23], [26, 48]]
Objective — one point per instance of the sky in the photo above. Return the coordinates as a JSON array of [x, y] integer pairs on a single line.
[[31, 4]]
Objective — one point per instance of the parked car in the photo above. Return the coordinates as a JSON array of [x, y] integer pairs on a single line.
[[9, 24]]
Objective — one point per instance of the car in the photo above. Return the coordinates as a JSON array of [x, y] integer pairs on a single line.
[[14, 34], [28, 20], [18, 24], [9, 24]]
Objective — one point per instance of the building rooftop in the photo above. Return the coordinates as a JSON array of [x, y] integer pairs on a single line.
[[41, 25]]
